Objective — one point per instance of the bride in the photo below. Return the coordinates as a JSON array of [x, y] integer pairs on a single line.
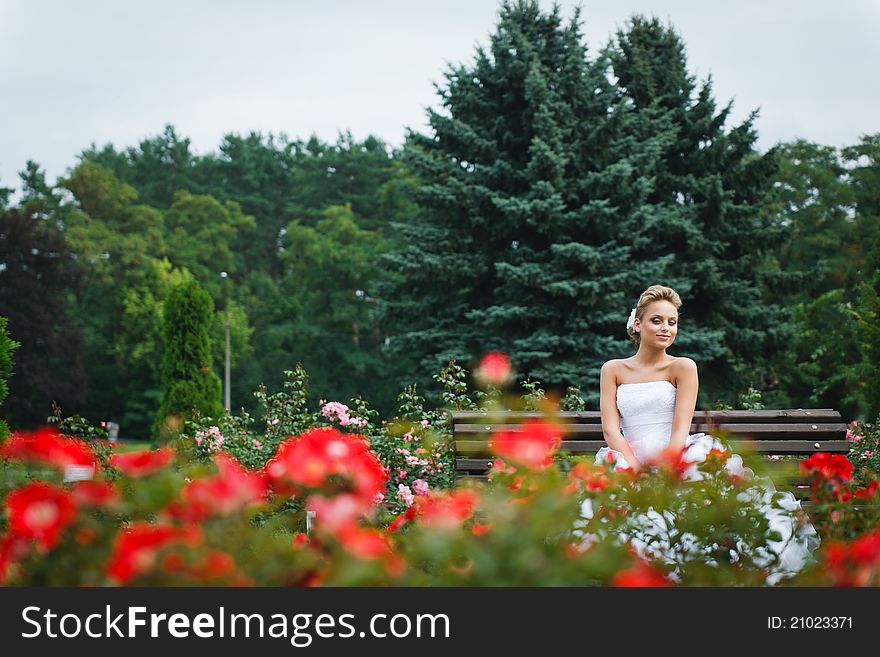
[[647, 404]]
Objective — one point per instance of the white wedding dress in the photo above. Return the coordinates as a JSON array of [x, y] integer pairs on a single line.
[[646, 411]]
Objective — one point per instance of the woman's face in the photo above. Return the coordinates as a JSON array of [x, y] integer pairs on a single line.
[[659, 324]]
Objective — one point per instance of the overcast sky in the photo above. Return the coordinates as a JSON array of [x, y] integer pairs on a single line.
[[77, 72]]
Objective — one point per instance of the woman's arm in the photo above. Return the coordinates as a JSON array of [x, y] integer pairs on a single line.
[[688, 386], [611, 416]]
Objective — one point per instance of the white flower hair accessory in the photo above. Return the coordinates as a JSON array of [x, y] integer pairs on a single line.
[[632, 320]]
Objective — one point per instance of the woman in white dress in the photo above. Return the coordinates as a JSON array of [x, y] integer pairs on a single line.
[[647, 404]]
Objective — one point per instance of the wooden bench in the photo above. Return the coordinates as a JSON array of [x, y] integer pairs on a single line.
[[794, 432]]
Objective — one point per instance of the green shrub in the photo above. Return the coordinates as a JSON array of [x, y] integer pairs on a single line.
[[7, 347], [189, 382]]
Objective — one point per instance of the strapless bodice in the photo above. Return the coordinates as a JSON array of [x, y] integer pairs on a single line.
[[646, 412]]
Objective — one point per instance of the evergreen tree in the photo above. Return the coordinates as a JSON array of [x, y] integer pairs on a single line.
[[864, 164], [869, 323], [189, 381], [531, 187], [347, 172], [709, 196], [5, 193], [7, 347], [158, 167], [137, 345]]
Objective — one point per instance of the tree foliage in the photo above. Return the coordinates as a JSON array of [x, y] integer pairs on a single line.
[[550, 197], [555, 183], [38, 279]]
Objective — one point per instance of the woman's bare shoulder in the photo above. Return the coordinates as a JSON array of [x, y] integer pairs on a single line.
[[612, 369], [683, 366], [612, 365]]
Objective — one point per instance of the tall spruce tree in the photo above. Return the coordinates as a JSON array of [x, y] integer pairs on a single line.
[[533, 185], [709, 196]]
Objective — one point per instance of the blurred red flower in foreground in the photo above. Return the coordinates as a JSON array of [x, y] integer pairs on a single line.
[[672, 459], [233, 488], [49, 447], [868, 491], [640, 575], [327, 460], [828, 466], [593, 477], [363, 542], [136, 547], [446, 510], [94, 493], [12, 548], [40, 511], [532, 446], [370, 544], [856, 563], [142, 463], [215, 565], [334, 513], [494, 369]]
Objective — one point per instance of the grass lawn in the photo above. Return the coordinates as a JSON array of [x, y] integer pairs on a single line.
[[131, 445]]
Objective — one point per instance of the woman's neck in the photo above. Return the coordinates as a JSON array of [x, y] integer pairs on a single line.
[[647, 357]]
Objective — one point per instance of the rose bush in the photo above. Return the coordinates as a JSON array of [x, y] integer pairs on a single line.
[[172, 518], [227, 503], [414, 446]]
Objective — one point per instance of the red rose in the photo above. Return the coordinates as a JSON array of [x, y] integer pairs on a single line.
[[49, 447], [494, 369], [300, 541], [868, 491], [672, 459], [40, 511], [334, 513], [841, 494], [866, 548], [402, 519], [232, 489], [446, 510], [215, 565], [532, 446], [94, 493], [856, 563], [364, 543], [142, 463], [478, 529], [593, 477], [136, 548], [828, 466], [329, 461], [640, 575]]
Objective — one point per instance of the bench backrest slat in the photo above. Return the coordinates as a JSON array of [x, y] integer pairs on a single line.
[[791, 431]]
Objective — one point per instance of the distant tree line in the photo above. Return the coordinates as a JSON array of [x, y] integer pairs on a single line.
[[554, 183]]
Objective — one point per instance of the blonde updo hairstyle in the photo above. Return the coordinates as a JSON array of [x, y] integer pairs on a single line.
[[652, 294]]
